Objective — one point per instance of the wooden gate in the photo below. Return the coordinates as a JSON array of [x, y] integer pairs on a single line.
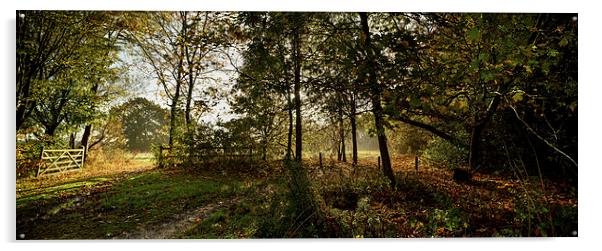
[[61, 160]]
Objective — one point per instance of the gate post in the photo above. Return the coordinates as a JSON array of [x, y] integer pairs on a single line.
[[84, 151]]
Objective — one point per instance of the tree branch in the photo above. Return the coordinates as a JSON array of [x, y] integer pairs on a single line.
[[540, 137]]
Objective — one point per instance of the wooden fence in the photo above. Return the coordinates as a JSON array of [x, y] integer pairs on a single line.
[[208, 153], [61, 160]]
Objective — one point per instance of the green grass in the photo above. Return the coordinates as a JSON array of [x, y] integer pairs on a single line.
[[156, 195], [217, 225], [145, 199], [51, 192], [239, 220]]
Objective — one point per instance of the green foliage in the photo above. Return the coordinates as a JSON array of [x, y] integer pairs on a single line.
[[64, 59], [441, 152], [303, 207], [441, 220], [28, 158], [536, 216], [406, 139], [144, 124]]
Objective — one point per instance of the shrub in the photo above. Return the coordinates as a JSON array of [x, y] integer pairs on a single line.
[[538, 217], [443, 222], [28, 154]]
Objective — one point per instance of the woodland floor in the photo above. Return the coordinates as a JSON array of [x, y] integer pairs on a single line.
[[138, 201]]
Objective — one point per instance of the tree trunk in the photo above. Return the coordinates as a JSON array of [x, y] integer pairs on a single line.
[[339, 157], [191, 71], [289, 148], [50, 130], [172, 116], [297, 89], [342, 135], [22, 107], [189, 134], [353, 131], [72, 141], [188, 103], [377, 109], [475, 143], [343, 148], [86, 138], [174, 102], [382, 140], [88, 127], [479, 126]]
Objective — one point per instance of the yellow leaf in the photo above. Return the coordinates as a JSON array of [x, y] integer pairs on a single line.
[[517, 97]]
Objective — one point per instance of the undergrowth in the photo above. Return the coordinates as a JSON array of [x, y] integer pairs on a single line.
[[273, 200]]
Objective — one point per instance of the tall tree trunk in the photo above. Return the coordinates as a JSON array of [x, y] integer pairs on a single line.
[[289, 143], [353, 130], [339, 156], [22, 82], [344, 159], [297, 89], [173, 115], [176, 98], [337, 141], [479, 126], [475, 143], [377, 109], [187, 122], [188, 104], [382, 140], [191, 71], [22, 103], [342, 135]]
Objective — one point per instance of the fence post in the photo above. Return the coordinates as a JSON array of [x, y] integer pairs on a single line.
[[416, 161], [320, 154]]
